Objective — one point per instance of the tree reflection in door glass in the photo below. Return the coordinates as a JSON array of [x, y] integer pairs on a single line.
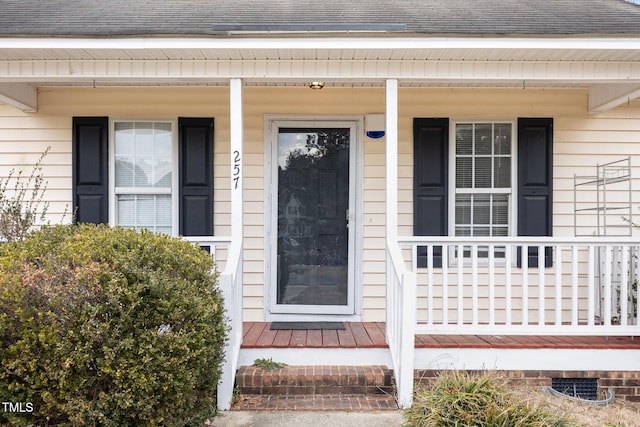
[[313, 198]]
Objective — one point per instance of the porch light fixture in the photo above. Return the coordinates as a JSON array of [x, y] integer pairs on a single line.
[[316, 85]]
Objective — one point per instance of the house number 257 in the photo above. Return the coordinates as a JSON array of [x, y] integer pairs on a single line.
[[236, 168]]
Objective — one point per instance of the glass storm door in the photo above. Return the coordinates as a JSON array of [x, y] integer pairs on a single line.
[[313, 251]]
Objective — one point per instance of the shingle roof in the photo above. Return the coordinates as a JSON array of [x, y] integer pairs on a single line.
[[429, 17]]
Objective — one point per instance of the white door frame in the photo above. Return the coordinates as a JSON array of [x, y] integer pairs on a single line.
[[352, 310]]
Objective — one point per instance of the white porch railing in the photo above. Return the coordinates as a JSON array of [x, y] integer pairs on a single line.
[[223, 248], [401, 320], [591, 288]]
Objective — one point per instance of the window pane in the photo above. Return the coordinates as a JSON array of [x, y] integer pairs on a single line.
[[464, 139], [481, 209], [142, 171], [163, 214], [163, 139], [144, 138], [124, 171], [463, 209], [145, 214], [481, 231], [502, 169], [148, 211], [162, 173], [483, 172], [124, 138], [500, 209], [502, 140], [127, 211], [483, 138], [500, 231], [464, 172], [463, 231]]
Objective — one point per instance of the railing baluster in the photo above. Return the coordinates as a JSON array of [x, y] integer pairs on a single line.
[[460, 285], [624, 290], [525, 284], [607, 285], [574, 284], [591, 297], [445, 285], [507, 281], [474, 285], [430, 284], [389, 292], [558, 285], [616, 277], [414, 258], [492, 287], [541, 293]]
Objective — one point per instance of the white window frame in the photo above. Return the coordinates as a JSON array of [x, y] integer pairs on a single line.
[[115, 192], [454, 191]]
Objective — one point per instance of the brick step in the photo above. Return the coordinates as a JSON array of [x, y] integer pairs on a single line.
[[314, 380], [315, 402]]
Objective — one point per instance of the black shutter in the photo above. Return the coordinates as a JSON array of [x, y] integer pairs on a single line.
[[196, 176], [90, 159], [535, 180], [430, 181]]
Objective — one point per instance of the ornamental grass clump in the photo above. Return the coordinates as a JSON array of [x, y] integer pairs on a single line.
[[460, 399], [108, 327]]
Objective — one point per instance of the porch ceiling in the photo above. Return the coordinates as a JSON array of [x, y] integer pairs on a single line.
[[608, 67]]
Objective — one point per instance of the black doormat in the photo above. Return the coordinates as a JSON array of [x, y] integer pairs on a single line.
[[306, 325]]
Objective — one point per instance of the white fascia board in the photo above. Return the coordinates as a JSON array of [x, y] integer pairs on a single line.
[[551, 43], [608, 96], [21, 96]]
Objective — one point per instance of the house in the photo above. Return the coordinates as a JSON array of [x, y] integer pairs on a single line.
[[445, 170]]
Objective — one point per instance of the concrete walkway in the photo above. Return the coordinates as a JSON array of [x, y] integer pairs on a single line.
[[305, 418]]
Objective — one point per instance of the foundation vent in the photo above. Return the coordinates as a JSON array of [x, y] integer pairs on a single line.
[[584, 388]]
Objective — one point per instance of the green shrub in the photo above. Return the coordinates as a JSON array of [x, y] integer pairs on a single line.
[[108, 327], [459, 399]]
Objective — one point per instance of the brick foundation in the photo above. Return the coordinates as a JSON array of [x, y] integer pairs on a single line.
[[624, 384]]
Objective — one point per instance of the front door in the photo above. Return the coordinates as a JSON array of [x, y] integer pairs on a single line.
[[312, 242]]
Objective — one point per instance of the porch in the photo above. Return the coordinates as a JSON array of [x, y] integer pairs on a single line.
[[350, 369], [568, 305]]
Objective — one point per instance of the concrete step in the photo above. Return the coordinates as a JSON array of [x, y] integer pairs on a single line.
[[315, 380]]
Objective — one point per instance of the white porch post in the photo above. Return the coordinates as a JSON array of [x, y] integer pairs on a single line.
[[231, 278], [405, 303], [236, 136], [391, 125], [391, 173]]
